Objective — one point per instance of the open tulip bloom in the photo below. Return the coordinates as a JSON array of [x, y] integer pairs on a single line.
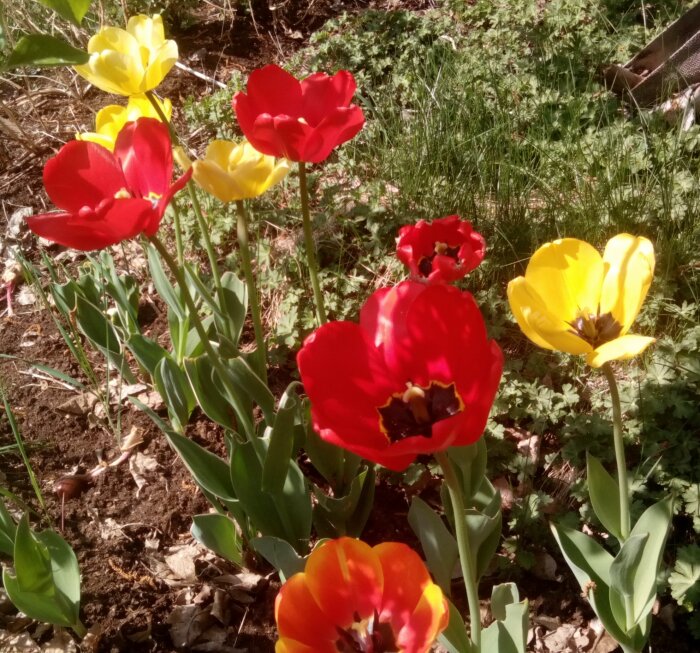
[[441, 251], [108, 197], [237, 171], [352, 597], [417, 375], [111, 119], [130, 61], [300, 121], [573, 300]]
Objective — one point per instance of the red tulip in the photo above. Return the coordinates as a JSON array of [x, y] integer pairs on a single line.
[[441, 251], [300, 121], [417, 375], [353, 597], [108, 197]]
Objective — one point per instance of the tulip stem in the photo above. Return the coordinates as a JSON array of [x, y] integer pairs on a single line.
[[619, 452], [310, 246], [178, 234], [466, 559], [246, 263]]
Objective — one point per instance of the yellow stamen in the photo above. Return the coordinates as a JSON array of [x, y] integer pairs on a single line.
[[415, 398]]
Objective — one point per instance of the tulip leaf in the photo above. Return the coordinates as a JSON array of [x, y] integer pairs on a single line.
[[234, 302], [147, 352], [281, 439], [470, 464], [605, 496], [508, 633], [624, 566], [173, 386], [163, 286], [42, 50], [439, 546], [72, 10], [502, 596], [347, 514], [243, 377], [218, 533], [207, 390], [327, 458], [8, 530], [454, 638], [280, 554]]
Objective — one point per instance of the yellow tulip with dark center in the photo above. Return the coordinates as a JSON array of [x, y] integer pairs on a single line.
[[572, 299], [237, 171], [131, 61], [110, 119]]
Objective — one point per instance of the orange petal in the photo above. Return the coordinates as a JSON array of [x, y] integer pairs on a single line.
[[428, 620]]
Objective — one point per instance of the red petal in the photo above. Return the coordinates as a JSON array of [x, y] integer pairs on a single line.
[[154, 223], [274, 91], [144, 151], [82, 174], [322, 95], [124, 219], [337, 128]]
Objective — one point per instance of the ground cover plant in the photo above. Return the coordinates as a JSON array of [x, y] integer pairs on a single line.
[[414, 366]]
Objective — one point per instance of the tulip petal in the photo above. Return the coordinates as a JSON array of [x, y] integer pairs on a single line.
[[274, 91], [82, 174], [124, 219], [544, 327], [144, 150], [345, 577], [161, 61], [147, 31], [215, 181], [322, 94], [152, 226], [428, 620], [629, 269], [335, 129], [567, 274], [627, 346]]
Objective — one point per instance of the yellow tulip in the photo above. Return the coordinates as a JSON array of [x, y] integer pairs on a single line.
[[237, 171], [573, 300], [131, 61], [110, 119]]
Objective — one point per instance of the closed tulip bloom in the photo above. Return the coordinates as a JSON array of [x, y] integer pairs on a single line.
[[355, 598], [574, 300], [108, 197], [298, 120], [130, 61], [416, 376], [441, 251], [237, 171], [111, 119]]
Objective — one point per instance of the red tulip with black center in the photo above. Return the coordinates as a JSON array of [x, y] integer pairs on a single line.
[[109, 197], [417, 375], [298, 120], [441, 251]]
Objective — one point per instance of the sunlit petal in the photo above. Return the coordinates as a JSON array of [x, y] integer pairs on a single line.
[[627, 346]]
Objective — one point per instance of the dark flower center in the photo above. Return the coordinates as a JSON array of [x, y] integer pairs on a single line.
[[595, 329], [414, 411], [425, 265], [366, 636]]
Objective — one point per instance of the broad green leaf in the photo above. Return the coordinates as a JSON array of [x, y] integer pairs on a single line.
[[454, 638], [470, 463], [31, 560], [502, 596], [332, 514], [64, 565], [280, 554], [365, 503], [281, 438], [605, 496], [208, 470], [218, 533], [207, 390], [439, 546], [685, 577], [625, 565], [42, 50], [234, 302], [655, 521], [165, 289], [173, 386], [484, 536], [244, 378], [147, 352], [508, 635], [8, 530], [72, 10]]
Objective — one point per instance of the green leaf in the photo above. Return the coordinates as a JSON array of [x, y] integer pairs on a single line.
[[333, 516], [439, 546], [327, 458], [280, 554], [72, 10], [244, 378], [685, 577], [165, 289], [470, 462], [281, 438], [605, 496], [173, 386], [42, 50], [147, 352], [208, 470], [454, 638], [207, 390], [624, 567], [8, 530], [218, 533], [234, 302], [502, 596], [655, 521], [509, 634]]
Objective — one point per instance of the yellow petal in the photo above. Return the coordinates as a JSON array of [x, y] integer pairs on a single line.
[[567, 274], [214, 180], [147, 31], [159, 65], [100, 139], [619, 349], [139, 106], [116, 39], [538, 323], [629, 269], [113, 72]]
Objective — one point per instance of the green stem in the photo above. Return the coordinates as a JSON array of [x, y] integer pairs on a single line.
[[79, 629], [178, 234], [310, 246], [466, 559], [246, 262], [623, 486]]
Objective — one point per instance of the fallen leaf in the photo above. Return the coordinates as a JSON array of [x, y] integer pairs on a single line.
[[181, 561], [17, 643]]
